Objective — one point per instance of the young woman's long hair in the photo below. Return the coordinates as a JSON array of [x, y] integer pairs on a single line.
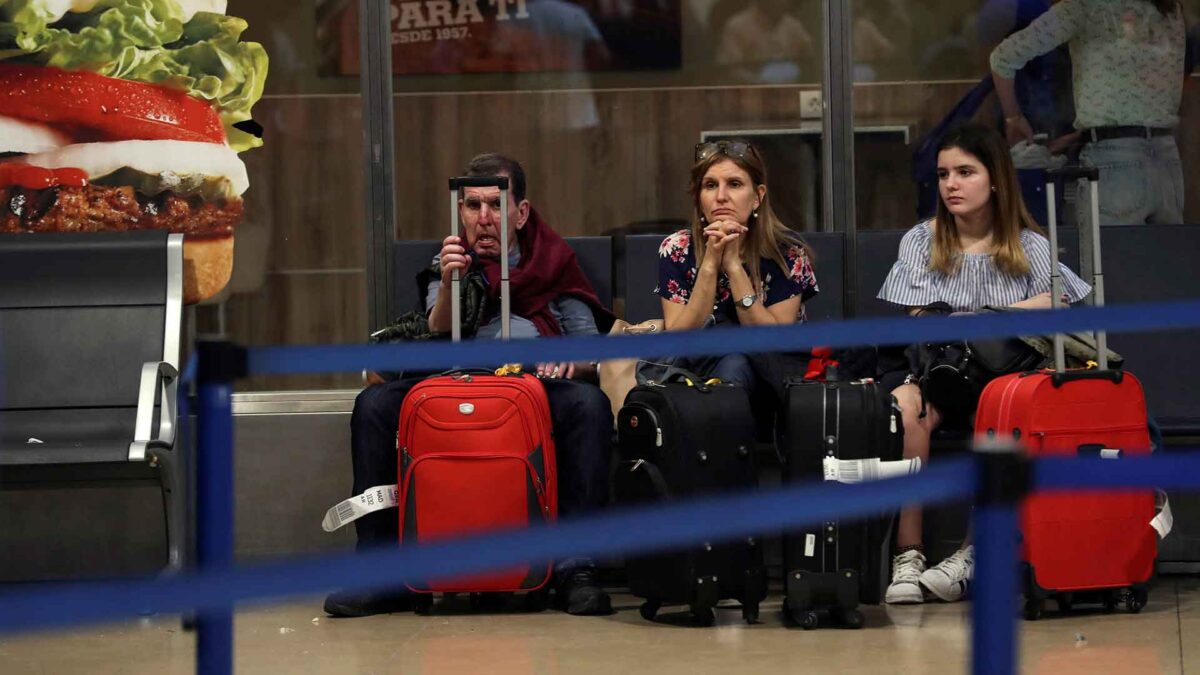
[[767, 237], [1009, 215]]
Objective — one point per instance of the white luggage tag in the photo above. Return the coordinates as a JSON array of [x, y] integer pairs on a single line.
[[1163, 520], [374, 499], [864, 470]]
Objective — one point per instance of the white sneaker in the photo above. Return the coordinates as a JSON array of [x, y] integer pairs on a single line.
[[950, 580], [905, 588]]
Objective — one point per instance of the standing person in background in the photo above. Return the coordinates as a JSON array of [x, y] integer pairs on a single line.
[[765, 42], [1128, 58], [1043, 85]]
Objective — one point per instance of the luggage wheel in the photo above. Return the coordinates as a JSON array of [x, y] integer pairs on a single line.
[[1136, 599], [649, 609], [423, 603], [703, 616], [809, 620], [1033, 608]]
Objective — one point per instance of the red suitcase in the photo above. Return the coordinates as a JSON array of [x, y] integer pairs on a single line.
[[1096, 546], [476, 453]]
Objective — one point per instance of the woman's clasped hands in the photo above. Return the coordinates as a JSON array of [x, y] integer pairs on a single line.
[[724, 242]]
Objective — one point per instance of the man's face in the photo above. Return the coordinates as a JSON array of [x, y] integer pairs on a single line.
[[480, 212]]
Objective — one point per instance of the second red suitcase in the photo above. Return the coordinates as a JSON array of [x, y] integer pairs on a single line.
[[1078, 546], [476, 454]]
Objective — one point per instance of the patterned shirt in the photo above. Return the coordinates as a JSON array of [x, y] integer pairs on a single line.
[[978, 281], [677, 274], [1128, 59]]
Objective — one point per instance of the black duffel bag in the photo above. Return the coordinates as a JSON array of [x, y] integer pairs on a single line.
[[952, 375]]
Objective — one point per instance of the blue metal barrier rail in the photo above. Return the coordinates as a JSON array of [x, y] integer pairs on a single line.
[[614, 533], [213, 590], [433, 355], [217, 588]]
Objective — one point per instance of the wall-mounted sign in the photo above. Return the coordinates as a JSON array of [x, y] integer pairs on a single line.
[[510, 36]]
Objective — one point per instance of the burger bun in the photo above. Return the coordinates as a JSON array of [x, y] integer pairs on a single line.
[[207, 266]]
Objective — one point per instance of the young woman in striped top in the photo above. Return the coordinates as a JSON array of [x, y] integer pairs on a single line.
[[982, 248]]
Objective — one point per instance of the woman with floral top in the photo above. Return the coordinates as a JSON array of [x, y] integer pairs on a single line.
[[738, 264]]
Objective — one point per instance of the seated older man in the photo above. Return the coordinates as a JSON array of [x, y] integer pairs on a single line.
[[550, 296]]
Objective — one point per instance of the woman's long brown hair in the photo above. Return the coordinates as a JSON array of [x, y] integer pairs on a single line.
[[1009, 215], [767, 233]]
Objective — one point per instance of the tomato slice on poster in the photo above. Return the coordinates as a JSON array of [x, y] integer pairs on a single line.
[[115, 109]]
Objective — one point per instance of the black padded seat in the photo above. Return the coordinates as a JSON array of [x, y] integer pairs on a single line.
[[89, 355], [1156, 263]]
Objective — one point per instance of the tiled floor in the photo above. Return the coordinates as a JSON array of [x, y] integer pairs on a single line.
[[298, 638]]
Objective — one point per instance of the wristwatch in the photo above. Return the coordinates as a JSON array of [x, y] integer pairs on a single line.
[[747, 300]]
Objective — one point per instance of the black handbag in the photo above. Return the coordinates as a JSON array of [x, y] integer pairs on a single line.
[[952, 375], [414, 326]]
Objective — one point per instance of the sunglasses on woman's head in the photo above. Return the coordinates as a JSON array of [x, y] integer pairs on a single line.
[[738, 149]]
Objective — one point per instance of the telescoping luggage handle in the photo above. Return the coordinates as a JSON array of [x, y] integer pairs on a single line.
[[456, 185], [1053, 178]]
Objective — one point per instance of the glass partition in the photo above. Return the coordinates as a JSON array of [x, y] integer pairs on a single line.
[[602, 101], [300, 263], [926, 65]]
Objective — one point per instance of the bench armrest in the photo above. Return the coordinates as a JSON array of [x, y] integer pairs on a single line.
[[159, 381]]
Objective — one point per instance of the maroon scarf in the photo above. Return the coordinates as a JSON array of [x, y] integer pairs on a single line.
[[547, 270]]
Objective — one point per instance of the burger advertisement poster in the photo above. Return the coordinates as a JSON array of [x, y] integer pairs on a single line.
[[120, 115]]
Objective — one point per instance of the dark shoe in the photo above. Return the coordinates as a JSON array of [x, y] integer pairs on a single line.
[[366, 603], [579, 594]]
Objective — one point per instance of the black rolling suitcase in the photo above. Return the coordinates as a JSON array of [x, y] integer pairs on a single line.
[[684, 439], [831, 567]]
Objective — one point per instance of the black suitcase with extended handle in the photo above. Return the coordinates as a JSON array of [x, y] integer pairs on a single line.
[[830, 567]]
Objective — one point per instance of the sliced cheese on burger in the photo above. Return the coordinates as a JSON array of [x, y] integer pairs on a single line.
[[174, 162], [25, 137], [57, 9]]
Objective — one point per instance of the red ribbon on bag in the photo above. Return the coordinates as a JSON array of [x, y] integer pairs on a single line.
[[822, 358]]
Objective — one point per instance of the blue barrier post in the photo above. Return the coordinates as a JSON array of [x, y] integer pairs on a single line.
[[220, 363], [1002, 480]]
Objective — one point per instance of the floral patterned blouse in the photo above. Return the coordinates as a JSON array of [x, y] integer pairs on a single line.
[[677, 274]]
